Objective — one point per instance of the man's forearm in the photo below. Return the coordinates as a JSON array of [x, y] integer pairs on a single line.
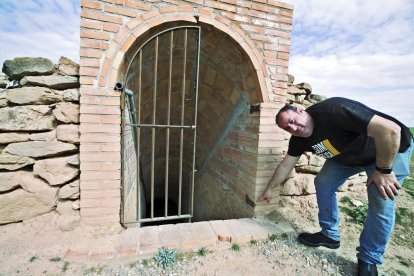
[[387, 140], [278, 177], [282, 171], [387, 149]]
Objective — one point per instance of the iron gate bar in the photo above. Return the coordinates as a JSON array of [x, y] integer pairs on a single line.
[[161, 126], [186, 216], [154, 125], [167, 138], [154, 113], [154, 36], [180, 180], [139, 139], [196, 75]]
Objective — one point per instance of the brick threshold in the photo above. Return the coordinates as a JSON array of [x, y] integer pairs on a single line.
[[138, 243]]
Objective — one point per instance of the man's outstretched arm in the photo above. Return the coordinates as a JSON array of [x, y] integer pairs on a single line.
[[386, 134], [281, 173]]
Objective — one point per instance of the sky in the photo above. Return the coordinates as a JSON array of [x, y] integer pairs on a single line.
[[359, 49]]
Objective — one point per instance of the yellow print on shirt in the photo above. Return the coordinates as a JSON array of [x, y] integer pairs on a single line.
[[325, 149]]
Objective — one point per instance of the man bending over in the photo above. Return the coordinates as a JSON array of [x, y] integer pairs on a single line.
[[353, 138]]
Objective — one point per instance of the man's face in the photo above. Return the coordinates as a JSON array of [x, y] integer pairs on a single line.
[[298, 123]]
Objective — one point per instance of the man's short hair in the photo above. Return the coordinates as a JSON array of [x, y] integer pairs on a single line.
[[285, 108]]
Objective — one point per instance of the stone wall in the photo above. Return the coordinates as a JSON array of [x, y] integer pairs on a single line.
[[39, 139]]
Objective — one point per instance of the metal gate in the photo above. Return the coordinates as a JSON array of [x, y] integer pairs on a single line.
[[159, 123]]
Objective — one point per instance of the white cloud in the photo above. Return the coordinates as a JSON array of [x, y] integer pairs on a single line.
[[362, 50], [358, 49], [372, 79], [46, 28]]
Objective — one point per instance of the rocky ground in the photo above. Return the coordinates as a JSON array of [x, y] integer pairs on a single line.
[[36, 247]]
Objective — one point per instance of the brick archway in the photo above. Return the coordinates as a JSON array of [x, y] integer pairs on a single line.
[[127, 35], [110, 28]]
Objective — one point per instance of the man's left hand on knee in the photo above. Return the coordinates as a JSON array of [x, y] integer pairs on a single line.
[[387, 184]]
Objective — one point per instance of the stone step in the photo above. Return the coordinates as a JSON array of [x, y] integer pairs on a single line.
[[145, 241]]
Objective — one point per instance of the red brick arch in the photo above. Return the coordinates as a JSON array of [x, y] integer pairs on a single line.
[[126, 36], [110, 30]]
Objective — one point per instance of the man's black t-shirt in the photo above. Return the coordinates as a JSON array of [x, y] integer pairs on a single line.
[[340, 132]]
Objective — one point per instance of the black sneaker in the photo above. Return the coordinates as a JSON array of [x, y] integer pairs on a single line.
[[366, 269], [318, 239]]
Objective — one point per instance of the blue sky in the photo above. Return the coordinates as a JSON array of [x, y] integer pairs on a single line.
[[360, 49], [46, 28]]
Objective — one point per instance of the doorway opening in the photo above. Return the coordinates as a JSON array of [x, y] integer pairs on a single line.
[[186, 127]]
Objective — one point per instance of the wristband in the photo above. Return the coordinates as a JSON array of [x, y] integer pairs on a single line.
[[383, 170]]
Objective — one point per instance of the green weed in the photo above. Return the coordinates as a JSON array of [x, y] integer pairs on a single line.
[[354, 214], [94, 270], [253, 242], [65, 266], [145, 263], [408, 185], [401, 273], [272, 237], [235, 247], [345, 200], [203, 251], [404, 217], [403, 261], [33, 258], [166, 257], [55, 259]]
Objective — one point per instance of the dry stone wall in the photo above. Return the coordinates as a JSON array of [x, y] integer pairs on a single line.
[[39, 140]]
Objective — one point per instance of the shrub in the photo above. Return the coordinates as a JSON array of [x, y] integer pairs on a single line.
[[145, 263], [65, 266], [345, 199], [166, 257], [203, 251], [235, 247], [357, 214], [272, 237], [253, 242]]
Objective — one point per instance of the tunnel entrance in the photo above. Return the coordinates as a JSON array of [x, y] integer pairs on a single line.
[[188, 133], [159, 127]]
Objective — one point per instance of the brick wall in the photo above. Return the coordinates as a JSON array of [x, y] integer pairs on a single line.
[[112, 30]]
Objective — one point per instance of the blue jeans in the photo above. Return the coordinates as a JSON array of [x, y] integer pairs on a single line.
[[381, 213]]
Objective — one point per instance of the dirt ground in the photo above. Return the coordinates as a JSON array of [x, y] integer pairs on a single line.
[[36, 247]]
